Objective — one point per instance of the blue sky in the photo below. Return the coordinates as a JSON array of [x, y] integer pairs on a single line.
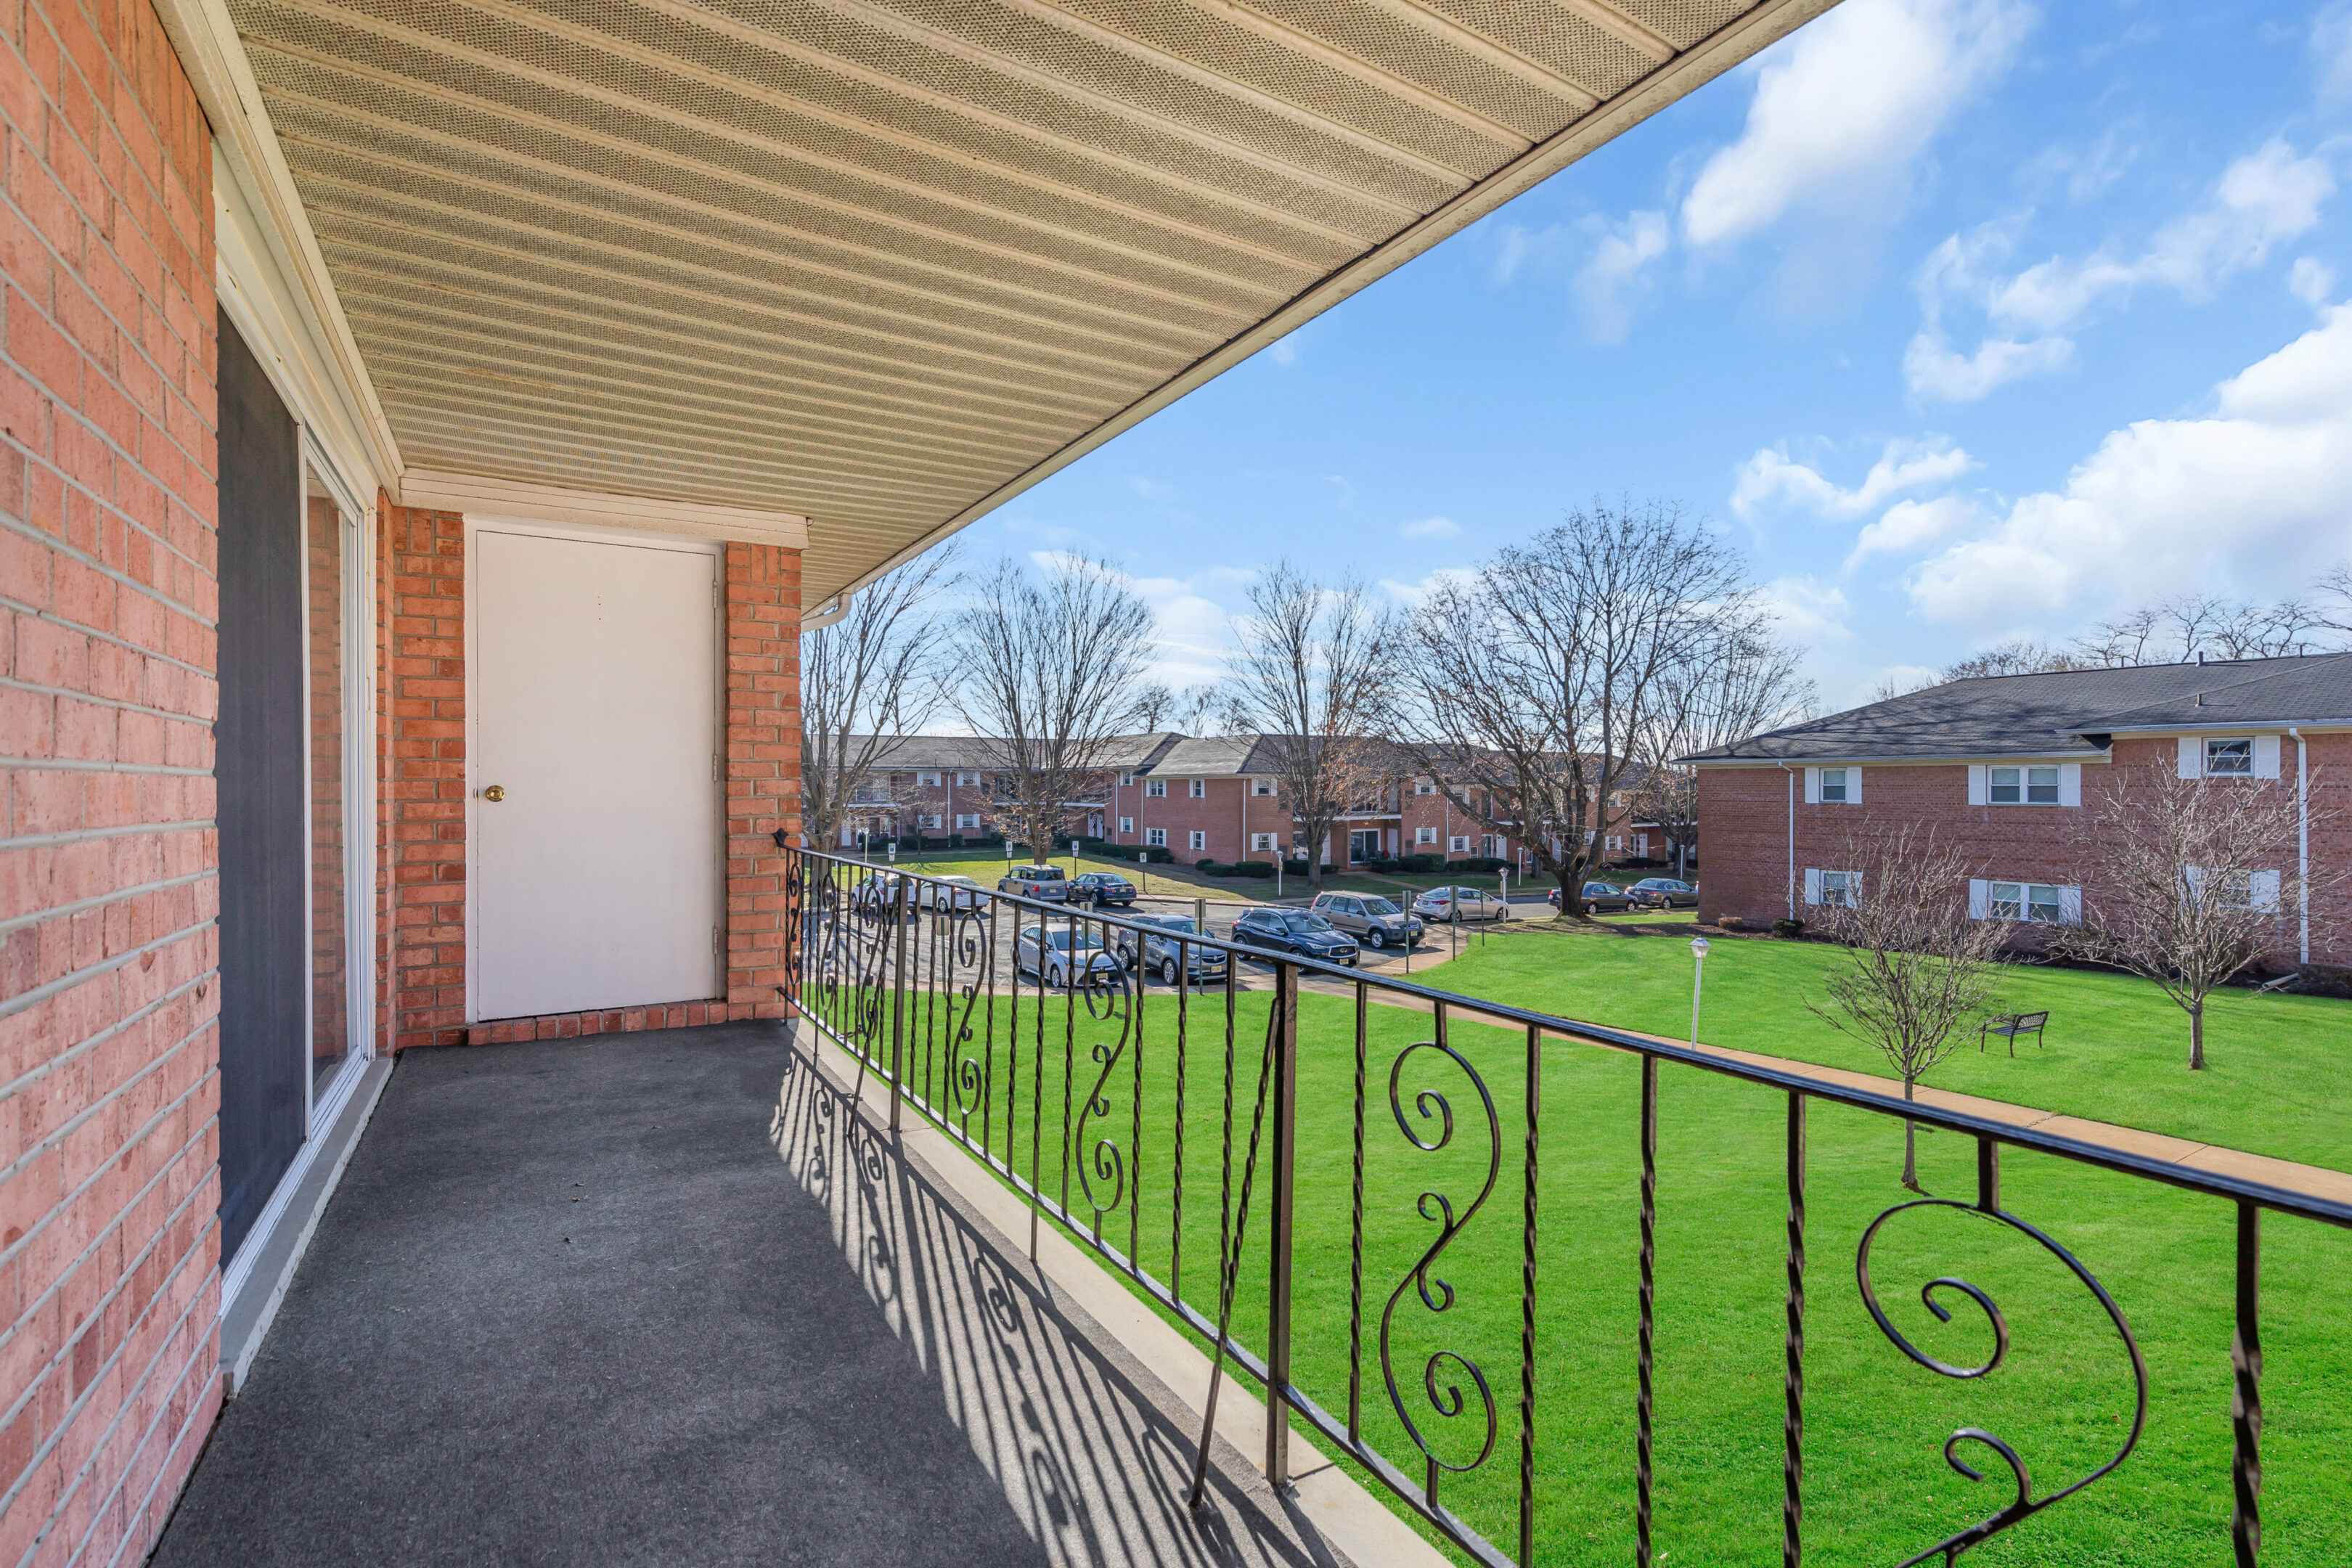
[[1964, 319]]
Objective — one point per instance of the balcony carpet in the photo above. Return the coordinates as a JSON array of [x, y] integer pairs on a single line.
[[659, 1298]]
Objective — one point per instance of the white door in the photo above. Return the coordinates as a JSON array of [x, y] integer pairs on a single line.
[[595, 713]]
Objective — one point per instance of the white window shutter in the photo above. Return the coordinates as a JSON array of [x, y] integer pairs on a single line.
[[1853, 786], [2264, 887], [1812, 885], [2266, 756], [2196, 875], [1813, 787], [1976, 784], [1979, 889], [2192, 757], [2069, 784], [2069, 906]]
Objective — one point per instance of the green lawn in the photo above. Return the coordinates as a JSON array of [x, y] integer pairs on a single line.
[[2279, 1079], [1877, 1488]]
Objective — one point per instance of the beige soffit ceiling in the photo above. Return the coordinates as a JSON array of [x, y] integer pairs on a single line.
[[883, 265]]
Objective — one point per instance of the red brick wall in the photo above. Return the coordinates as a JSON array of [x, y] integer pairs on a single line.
[[764, 768], [108, 998], [423, 795], [1745, 813]]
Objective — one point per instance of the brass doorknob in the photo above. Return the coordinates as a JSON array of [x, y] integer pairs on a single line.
[[496, 791]]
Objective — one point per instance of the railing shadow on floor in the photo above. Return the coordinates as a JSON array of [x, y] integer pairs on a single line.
[[1093, 1456]]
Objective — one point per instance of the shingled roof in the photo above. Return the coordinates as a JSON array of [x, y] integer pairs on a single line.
[[2064, 713]]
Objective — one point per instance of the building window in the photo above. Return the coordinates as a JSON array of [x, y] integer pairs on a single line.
[[926, 781], [2235, 889], [1155, 789], [1196, 788], [1125, 780], [1840, 886], [1833, 788], [2022, 786], [1126, 825], [1156, 837], [1261, 786], [1200, 839], [967, 822], [2230, 759], [1261, 841], [1490, 846], [2025, 901], [1425, 786], [926, 822], [1612, 844], [1424, 836], [967, 780], [1458, 845]]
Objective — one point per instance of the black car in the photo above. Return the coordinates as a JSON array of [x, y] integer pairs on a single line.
[[1101, 888], [1302, 931]]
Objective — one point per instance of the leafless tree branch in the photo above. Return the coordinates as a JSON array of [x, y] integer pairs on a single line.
[[869, 677]]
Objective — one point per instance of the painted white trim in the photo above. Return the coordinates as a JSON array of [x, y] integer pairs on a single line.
[[1980, 790], [516, 501], [323, 1116], [1812, 793], [2069, 784], [2266, 756], [1980, 898], [2192, 757], [474, 527]]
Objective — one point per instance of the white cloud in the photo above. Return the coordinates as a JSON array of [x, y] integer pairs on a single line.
[[1432, 527], [2255, 494], [1807, 611], [2265, 199], [2331, 52], [1907, 525], [1413, 596], [2311, 280], [1615, 270], [1771, 477], [1843, 109], [1935, 372]]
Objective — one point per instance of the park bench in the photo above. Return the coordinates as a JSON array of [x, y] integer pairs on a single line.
[[2010, 1026]]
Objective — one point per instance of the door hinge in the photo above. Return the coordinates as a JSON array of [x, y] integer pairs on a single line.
[[714, 767], [714, 593], [716, 939]]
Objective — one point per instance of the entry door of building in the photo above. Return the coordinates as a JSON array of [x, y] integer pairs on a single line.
[[593, 796]]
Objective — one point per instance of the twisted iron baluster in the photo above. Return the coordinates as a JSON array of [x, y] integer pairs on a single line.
[[1641, 1400], [1108, 996], [1437, 1207], [1792, 1419], [1528, 1303], [1952, 1548], [2246, 1395], [1356, 1233]]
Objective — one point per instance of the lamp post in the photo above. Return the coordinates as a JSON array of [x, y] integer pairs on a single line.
[[1698, 976]]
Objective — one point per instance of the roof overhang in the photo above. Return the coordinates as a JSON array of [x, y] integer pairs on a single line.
[[877, 265]]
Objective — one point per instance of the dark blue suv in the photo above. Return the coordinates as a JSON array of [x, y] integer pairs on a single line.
[[1301, 931]]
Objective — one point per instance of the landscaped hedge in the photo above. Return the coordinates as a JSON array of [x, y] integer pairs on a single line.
[[1239, 868]]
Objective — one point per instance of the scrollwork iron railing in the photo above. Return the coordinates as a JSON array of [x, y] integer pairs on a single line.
[[982, 1010]]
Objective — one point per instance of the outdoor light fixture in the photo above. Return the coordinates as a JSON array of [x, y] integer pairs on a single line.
[[1698, 975]]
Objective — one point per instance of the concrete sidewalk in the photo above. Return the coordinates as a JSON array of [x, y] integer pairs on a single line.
[[670, 1297]]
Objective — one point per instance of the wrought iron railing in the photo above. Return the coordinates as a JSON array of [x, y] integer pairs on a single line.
[[1111, 1104]]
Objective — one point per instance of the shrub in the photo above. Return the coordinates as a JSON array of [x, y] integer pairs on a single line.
[[1788, 927]]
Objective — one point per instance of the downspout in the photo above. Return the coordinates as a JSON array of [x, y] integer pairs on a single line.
[[828, 612], [2303, 842], [1792, 838]]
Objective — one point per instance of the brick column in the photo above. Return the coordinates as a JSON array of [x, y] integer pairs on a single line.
[[425, 790], [764, 768]]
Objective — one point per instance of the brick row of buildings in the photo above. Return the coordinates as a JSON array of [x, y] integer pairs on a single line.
[[2002, 766], [1217, 798]]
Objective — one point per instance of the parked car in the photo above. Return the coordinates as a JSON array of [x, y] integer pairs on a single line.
[[1599, 898], [1101, 887], [1156, 949], [1477, 905], [947, 893], [1049, 884], [1054, 956], [1664, 893], [1370, 919], [1302, 931], [877, 893]]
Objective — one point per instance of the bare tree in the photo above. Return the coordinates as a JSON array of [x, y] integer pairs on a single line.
[[1538, 680], [1052, 670], [2196, 875], [1745, 684], [2023, 656], [1917, 966], [1308, 674], [866, 679], [2179, 629]]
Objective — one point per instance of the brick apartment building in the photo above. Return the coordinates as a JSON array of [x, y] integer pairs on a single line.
[[1215, 798], [2001, 767]]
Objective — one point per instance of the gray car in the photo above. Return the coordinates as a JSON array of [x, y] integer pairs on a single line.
[[1475, 904], [1165, 956], [1369, 918], [1047, 884], [1664, 893], [1056, 955]]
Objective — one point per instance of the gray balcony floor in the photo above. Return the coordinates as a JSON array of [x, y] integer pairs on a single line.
[[662, 1297]]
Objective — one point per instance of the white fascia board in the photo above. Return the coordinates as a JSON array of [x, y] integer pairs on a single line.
[[477, 496], [1955, 759], [270, 272]]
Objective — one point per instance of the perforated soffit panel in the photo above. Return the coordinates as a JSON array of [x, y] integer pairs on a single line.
[[882, 264]]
